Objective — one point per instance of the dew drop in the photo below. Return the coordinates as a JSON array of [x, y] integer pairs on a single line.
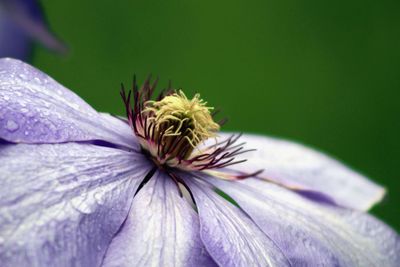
[[12, 126], [98, 196], [37, 80], [30, 114], [82, 204]]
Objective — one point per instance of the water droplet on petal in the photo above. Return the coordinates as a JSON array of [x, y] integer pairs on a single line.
[[98, 196], [82, 203], [37, 80], [12, 126], [30, 114]]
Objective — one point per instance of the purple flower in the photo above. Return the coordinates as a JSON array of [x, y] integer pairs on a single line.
[[83, 188], [22, 21]]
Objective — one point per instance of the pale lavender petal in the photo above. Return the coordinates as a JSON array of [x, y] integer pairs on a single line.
[[36, 109], [61, 204], [298, 166], [311, 234], [230, 236], [28, 19], [162, 229]]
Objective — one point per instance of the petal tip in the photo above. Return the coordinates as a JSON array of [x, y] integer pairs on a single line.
[[376, 199]]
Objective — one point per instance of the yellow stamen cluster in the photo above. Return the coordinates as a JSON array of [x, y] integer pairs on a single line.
[[176, 116]]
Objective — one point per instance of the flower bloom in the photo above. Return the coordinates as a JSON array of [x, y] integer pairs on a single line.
[[21, 22], [83, 188]]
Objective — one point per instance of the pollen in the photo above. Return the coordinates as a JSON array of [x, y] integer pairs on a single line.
[[176, 116]]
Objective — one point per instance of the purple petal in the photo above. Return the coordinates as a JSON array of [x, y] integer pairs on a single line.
[[13, 40], [61, 204], [312, 234], [300, 167], [36, 109], [230, 236], [28, 19], [162, 229]]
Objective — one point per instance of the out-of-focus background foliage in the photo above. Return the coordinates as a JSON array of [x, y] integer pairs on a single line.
[[324, 73]]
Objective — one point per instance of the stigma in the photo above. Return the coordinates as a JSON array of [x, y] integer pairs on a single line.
[[172, 129]]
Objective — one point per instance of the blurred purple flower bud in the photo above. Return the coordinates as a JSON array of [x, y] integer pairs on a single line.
[[22, 23]]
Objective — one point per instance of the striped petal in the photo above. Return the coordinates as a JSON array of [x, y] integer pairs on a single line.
[[36, 109], [308, 171], [162, 229], [61, 204], [311, 234], [230, 236]]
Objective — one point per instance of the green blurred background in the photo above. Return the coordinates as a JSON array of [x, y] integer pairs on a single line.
[[324, 73]]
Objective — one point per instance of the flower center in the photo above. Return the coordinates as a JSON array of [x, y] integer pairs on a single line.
[[173, 128], [180, 124]]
